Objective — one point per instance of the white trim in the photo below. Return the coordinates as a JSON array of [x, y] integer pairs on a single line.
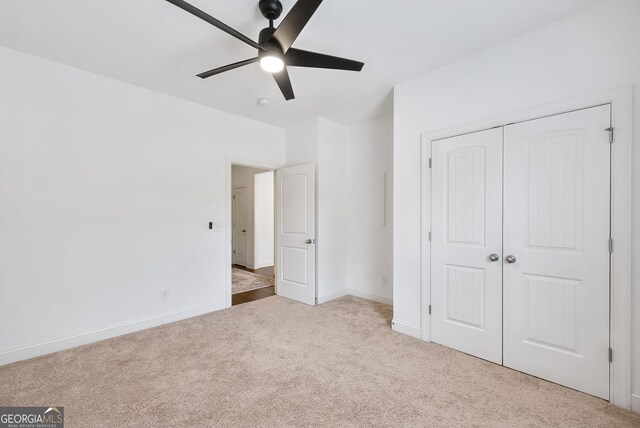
[[370, 296], [333, 296], [635, 402], [263, 264], [406, 328], [228, 232], [55, 345], [425, 243], [621, 113], [357, 293], [621, 200]]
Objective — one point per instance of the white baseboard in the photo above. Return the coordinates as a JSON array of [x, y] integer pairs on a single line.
[[635, 402], [263, 264], [80, 339], [408, 329], [358, 293], [371, 296], [333, 296]]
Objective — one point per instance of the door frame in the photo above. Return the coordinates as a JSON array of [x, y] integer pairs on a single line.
[[228, 219], [620, 99]]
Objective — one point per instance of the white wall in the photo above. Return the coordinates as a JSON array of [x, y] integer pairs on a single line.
[[350, 165], [325, 143], [264, 219], [106, 191], [243, 176], [370, 212], [302, 142], [592, 51], [332, 209]]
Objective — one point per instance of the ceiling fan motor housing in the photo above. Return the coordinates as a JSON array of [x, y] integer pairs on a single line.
[[270, 45], [271, 9]]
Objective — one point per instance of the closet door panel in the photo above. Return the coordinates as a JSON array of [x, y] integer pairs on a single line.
[[466, 210], [556, 228]]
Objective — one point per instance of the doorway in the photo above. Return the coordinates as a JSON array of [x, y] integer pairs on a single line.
[[294, 219], [252, 216]]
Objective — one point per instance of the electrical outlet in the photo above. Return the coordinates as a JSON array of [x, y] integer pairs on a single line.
[[385, 280], [164, 294]]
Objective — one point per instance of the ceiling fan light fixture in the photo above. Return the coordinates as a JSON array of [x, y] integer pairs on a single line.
[[271, 63]]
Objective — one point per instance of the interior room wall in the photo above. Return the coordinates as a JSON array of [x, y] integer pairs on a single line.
[[243, 176], [592, 51], [302, 142], [350, 167], [324, 143], [333, 209], [370, 210], [264, 219], [107, 191]]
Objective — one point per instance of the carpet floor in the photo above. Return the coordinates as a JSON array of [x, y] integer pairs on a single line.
[[278, 363], [246, 281]]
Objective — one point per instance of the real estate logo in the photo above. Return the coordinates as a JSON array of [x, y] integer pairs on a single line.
[[31, 417]]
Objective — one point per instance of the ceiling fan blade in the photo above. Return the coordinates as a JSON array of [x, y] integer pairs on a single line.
[[227, 68], [294, 22], [300, 58], [213, 21], [283, 81]]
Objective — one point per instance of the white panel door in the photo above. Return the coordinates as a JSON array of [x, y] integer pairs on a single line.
[[556, 228], [466, 281], [240, 214], [295, 233]]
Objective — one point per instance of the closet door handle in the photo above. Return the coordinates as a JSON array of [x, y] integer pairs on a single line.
[[510, 259], [494, 257]]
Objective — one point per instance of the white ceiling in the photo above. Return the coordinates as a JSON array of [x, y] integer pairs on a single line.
[[154, 44]]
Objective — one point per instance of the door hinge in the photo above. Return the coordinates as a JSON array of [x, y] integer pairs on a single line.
[[429, 236], [429, 309], [610, 355], [610, 245], [429, 162], [610, 134]]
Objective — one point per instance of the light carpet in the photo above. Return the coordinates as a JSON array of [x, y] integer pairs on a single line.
[[247, 281], [278, 363]]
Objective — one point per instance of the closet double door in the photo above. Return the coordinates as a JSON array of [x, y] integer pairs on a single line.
[[520, 248]]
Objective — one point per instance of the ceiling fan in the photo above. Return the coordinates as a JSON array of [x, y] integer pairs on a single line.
[[275, 53]]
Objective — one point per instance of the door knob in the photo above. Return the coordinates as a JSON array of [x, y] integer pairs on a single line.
[[510, 259], [310, 241], [494, 257]]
